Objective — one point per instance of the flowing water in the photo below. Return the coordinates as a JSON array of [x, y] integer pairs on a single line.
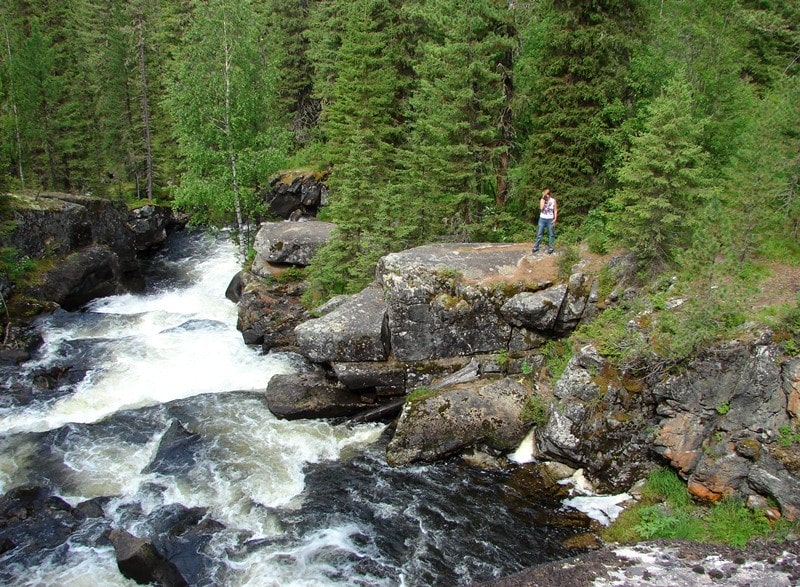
[[150, 406]]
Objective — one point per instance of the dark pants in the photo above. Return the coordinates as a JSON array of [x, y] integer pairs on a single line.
[[545, 223]]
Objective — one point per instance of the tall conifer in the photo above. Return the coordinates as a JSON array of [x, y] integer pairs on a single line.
[[571, 81]]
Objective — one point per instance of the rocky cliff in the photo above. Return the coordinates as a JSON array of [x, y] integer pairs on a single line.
[[488, 309], [84, 247]]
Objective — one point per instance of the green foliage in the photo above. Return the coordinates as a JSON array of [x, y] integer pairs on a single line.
[[732, 523], [656, 522], [664, 485], [225, 119], [566, 261], [12, 264], [535, 411], [571, 83], [662, 180], [421, 394], [557, 354], [669, 128], [291, 275], [723, 408], [787, 435], [667, 511]]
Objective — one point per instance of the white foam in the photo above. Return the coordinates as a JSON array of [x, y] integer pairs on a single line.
[[603, 508]]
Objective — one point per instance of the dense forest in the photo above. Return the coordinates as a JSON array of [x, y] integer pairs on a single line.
[[670, 128]]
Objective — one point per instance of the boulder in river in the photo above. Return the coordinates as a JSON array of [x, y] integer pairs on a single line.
[[312, 395], [438, 423], [139, 560]]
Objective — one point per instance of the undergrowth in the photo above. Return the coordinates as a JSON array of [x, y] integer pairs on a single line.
[[667, 511]]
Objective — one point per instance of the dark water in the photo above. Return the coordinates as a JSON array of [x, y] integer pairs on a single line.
[[149, 408]]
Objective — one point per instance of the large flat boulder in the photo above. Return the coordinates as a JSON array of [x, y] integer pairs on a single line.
[[355, 331], [293, 243], [445, 300]]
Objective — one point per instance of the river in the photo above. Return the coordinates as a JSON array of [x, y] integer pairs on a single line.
[[157, 415]]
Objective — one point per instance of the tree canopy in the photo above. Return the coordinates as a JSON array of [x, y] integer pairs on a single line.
[[650, 120]]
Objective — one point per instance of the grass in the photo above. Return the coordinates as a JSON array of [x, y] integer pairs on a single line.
[[667, 511]]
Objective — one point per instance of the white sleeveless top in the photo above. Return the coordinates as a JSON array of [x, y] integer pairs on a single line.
[[548, 210]]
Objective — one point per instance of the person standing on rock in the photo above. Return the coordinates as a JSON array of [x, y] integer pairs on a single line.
[[548, 214]]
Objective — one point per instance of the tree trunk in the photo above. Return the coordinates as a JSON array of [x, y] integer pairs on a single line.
[[145, 104], [237, 200], [15, 114]]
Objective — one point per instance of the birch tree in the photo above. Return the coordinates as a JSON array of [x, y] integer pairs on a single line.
[[221, 102]]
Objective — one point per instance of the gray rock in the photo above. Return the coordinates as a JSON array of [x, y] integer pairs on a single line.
[[295, 243], [268, 311], [441, 300], [312, 395], [151, 226], [457, 418], [537, 310], [294, 193], [769, 478], [87, 274], [356, 331], [386, 378], [599, 421], [729, 399], [574, 306]]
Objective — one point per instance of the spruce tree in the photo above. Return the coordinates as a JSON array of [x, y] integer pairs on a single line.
[[664, 180], [361, 131], [572, 88], [453, 157]]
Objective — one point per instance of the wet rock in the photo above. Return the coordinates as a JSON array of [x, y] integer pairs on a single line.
[[667, 562], [356, 331], [312, 395], [235, 288], [268, 311], [32, 518], [139, 560], [598, 421], [151, 225], [455, 418], [89, 273], [176, 451], [295, 243]]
